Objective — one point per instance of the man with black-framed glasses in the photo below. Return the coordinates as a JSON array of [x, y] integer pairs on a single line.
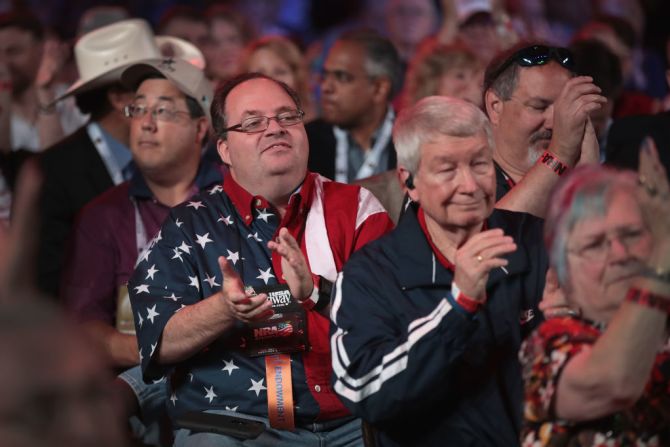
[[231, 301], [539, 110]]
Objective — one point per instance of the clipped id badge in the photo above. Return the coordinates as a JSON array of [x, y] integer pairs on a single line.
[[284, 332]]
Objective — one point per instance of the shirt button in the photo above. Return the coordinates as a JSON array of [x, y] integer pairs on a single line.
[[317, 388]]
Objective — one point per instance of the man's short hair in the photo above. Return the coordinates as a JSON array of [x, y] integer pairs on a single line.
[[431, 117], [24, 21], [218, 108], [95, 102], [502, 73], [382, 59]]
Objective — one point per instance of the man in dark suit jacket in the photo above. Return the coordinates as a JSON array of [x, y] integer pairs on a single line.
[[352, 140], [93, 159]]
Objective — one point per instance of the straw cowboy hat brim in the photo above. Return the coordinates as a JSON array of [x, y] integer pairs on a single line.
[[104, 53]]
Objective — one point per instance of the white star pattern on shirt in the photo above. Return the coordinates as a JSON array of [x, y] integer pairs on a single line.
[[265, 275], [263, 214], [178, 223], [257, 387], [230, 366], [211, 280], [210, 393], [141, 356], [145, 255], [151, 272], [231, 408], [233, 256], [155, 240], [190, 377], [194, 282], [177, 254], [226, 220], [172, 297], [153, 348], [173, 398], [202, 240], [140, 320], [151, 314], [214, 189], [196, 204], [255, 236], [185, 248], [142, 288]]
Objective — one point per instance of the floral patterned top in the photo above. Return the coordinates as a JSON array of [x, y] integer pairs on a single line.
[[544, 355]]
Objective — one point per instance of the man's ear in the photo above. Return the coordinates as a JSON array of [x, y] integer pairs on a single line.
[[119, 98], [202, 129], [382, 89], [494, 106], [222, 149], [407, 182]]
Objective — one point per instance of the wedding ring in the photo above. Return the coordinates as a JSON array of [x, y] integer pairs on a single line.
[[479, 258]]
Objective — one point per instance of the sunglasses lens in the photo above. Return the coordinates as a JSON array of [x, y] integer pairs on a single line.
[[535, 55], [564, 57]]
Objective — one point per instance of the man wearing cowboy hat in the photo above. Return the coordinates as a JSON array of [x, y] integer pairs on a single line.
[[92, 159]]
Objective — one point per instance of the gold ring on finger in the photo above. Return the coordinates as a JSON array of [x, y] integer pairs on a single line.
[[479, 258]]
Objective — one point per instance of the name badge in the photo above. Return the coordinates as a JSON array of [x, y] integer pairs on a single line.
[[284, 332]]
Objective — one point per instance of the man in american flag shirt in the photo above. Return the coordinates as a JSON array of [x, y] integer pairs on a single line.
[[207, 280]]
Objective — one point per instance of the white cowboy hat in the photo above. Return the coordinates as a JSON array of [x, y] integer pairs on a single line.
[[179, 48], [104, 53]]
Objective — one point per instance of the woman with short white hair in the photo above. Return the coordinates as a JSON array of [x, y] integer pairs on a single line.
[[598, 373]]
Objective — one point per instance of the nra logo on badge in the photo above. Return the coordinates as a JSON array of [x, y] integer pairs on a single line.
[[280, 298], [280, 330]]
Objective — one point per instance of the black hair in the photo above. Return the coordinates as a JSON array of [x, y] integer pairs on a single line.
[[218, 108], [24, 21], [382, 58]]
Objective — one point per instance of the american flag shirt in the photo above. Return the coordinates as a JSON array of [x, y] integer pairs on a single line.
[[329, 220]]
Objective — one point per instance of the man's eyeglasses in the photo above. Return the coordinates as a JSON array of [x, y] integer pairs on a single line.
[[161, 112], [256, 124], [536, 55], [598, 249]]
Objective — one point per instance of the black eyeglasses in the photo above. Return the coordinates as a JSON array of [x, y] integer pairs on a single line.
[[256, 124], [533, 56]]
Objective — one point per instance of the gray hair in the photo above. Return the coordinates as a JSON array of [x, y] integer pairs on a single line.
[[433, 116], [382, 59], [585, 192]]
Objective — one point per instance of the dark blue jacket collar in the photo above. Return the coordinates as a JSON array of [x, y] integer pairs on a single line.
[[420, 262]]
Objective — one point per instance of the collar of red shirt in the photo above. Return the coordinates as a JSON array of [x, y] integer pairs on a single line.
[[438, 254], [245, 202]]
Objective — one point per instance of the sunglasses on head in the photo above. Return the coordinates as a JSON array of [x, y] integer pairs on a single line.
[[537, 55]]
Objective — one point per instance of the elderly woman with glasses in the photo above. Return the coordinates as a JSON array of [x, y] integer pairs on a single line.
[[598, 373]]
